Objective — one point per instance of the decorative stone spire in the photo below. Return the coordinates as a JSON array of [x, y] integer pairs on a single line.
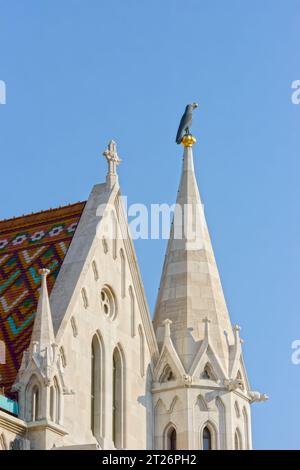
[[43, 334], [190, 293], [113, 161]]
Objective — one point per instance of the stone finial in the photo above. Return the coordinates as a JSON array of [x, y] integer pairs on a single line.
[[236, 331], [206, 322], [167, 324], [44, 272], [113, 161]]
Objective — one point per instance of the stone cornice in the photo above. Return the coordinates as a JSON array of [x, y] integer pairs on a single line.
[[11, 423], [47, 425]]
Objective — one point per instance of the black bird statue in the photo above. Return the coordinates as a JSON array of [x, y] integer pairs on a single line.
[[186, 121]]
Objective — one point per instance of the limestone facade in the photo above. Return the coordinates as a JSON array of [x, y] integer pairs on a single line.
[[100, 375]]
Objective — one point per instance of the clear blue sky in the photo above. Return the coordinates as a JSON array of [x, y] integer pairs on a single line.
[[81, 72]]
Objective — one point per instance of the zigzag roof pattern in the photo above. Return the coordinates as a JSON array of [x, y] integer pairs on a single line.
[[28, 243]]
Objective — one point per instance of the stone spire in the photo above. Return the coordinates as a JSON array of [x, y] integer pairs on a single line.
[[43, 335], [113, 161], [190, 293]]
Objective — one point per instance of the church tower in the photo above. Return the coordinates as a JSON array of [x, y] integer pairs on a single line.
[[201, 394]]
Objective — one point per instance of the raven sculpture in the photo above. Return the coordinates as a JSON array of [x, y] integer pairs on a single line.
[[186, 122]]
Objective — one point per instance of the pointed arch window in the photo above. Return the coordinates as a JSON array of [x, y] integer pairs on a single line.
[[167, 375], [54, 401], [123, 273], [95, 270], [84, 298], [142, 352], [246, 428], [206, 439], [118, 399], [237, 409], [239, 377], [132, 311], [35, 403], [237, 440], [114, 235], [171, 438], [97, 386], [208, 372]]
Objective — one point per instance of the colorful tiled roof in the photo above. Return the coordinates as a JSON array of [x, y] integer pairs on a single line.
[[27, 244]]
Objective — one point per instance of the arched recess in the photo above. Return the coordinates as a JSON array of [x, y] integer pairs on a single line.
[[119, 399], [84, 297], [114, 234], [201, 403], [160, 421], [222, 423], [142, 351], [167, 375], [240, 378], [95, 270], [238, 443], [237, 409], [208, 372], [63, 357], [33, 399], [149, 409], [132, 311], [208, 436], [97, 386], [170, 437], [123, 273], [246, 428], [55, 403]]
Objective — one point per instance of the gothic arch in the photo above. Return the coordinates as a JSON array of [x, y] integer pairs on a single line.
[[170, 438], [159, 407], [174, 403], [246, 428], [119, 398], [123, 273], [132, 311], [240, 377], [97, 386], [33, 398], [222, 423], [208, 372], [55, 401], [114, 234], [149, 408], [142, 351], [212, 428], [237, 409], [166, 375], [238, 443], [201, 403], [95, 270], [63, 357], [84, 297]]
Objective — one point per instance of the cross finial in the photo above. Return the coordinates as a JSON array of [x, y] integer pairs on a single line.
[[113, 161]]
